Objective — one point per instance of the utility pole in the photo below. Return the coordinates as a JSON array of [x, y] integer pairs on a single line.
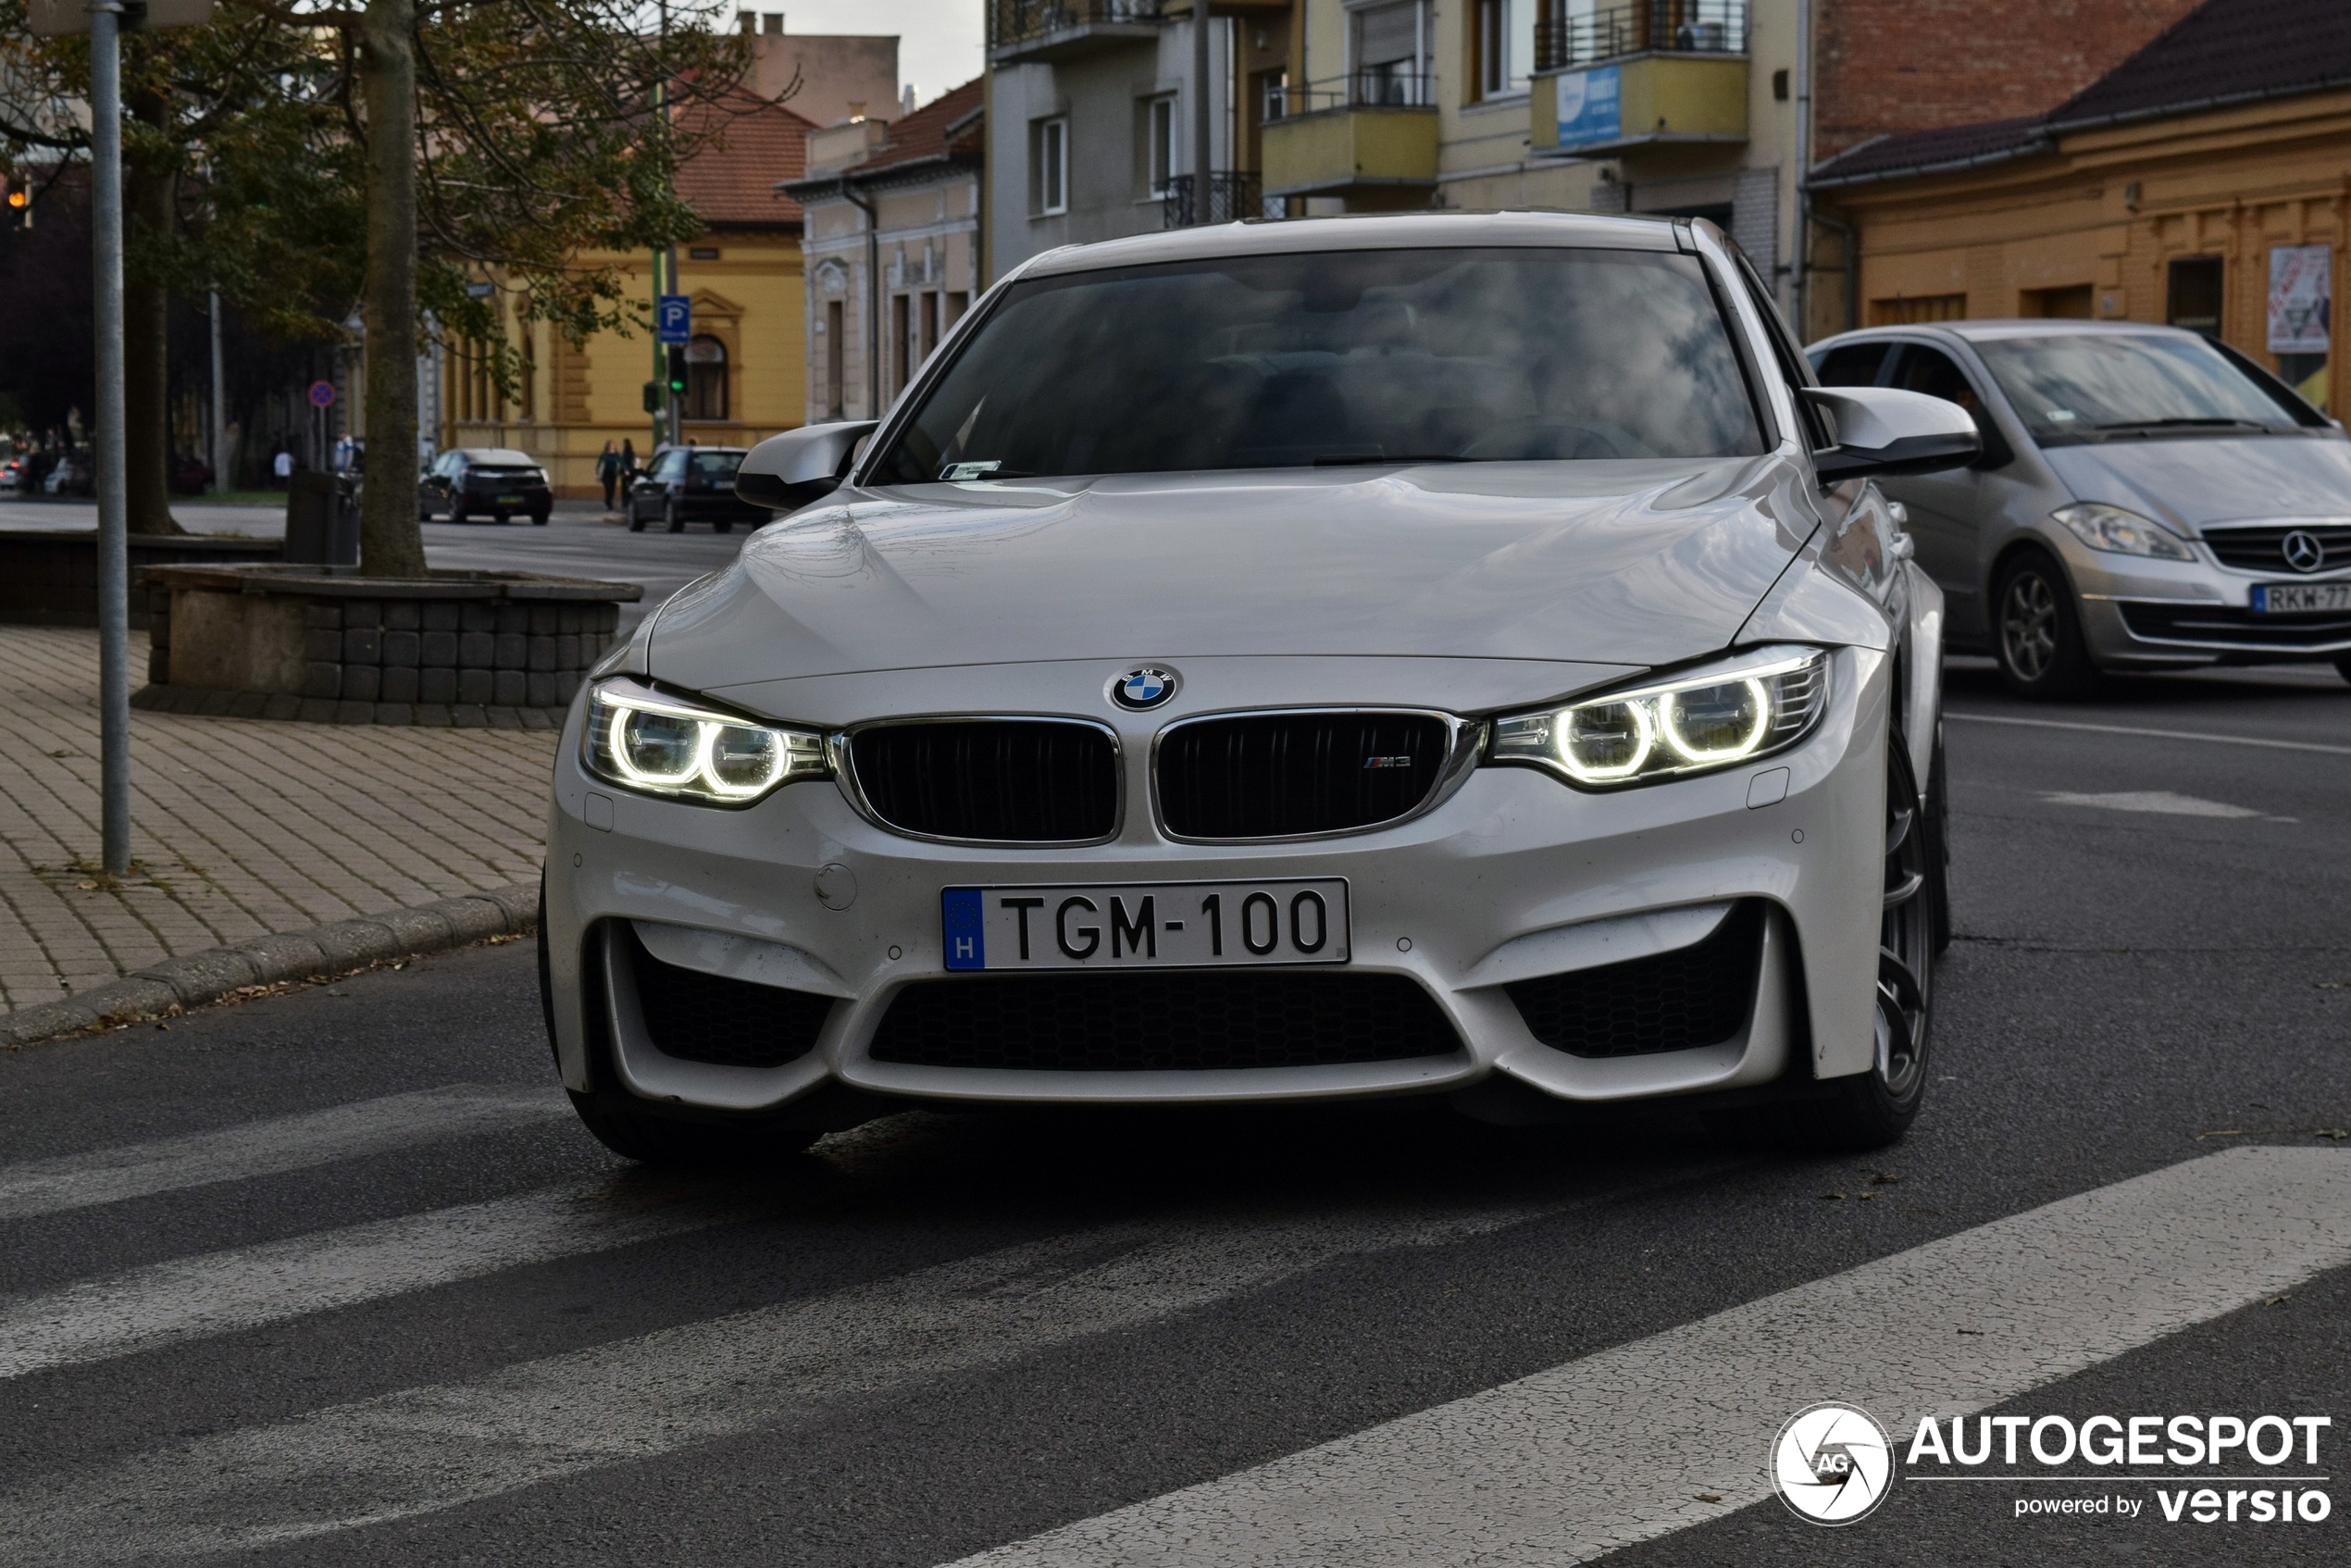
[[114, 550], [220, 407], [1200, 112]]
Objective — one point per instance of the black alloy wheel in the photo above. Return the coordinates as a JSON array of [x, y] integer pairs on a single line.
[[670, 515], [2037, 631]]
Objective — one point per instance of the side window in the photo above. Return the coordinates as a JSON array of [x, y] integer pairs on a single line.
[[1931, 372], [1852, 365]]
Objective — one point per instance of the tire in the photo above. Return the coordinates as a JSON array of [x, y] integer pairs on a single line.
[[635, 519], [2036, 632], [1874, 1109], [669, 515]]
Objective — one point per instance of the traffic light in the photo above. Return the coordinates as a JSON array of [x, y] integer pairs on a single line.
[[677, 371], [653, 397]]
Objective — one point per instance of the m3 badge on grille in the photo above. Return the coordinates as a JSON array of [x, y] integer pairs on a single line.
[[1145, 686]]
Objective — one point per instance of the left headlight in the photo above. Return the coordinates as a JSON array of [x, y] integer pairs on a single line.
[[643, 740], [1719, 716], [2102, 526]]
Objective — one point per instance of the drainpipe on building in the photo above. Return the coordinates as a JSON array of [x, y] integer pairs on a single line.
[[873, 300], [1200, 112], [1801, 253]]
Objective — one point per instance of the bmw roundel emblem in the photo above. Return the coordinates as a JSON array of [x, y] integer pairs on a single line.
[[1145, 686]]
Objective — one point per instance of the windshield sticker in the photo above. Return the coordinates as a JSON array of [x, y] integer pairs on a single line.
[[2058, 416], [970, 470]]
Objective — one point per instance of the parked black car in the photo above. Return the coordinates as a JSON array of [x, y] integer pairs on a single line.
[[466, 481], [692, 484]]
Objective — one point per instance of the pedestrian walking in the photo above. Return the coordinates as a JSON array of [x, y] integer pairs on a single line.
[[608, 472], [281, 467]]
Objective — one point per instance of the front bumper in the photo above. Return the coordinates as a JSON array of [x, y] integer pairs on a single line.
[[1514, 878], [2141, 614]]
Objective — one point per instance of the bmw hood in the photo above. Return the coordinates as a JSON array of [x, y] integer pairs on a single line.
[[1618, 562], [2189, 483]]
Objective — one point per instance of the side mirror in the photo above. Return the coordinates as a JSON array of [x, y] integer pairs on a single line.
[[1886, 431], [789, 471]]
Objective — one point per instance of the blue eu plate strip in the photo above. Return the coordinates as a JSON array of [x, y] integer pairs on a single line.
[[966, 943]]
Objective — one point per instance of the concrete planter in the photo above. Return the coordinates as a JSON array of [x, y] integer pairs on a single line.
[[323, 644], [49, 577]]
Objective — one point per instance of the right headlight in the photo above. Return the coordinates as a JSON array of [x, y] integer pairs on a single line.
[[644, 740], [2102, 526], [1719, 716]]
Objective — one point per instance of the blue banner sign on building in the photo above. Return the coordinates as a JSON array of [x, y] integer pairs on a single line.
[[673, 320], [1590, 104]]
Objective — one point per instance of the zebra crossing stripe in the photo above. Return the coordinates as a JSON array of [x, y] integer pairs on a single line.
[[267, 1147], [1674, 1430]]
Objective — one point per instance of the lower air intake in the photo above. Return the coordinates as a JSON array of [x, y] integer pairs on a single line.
[[1694, 996], [1197, 1021], [699, 1018]]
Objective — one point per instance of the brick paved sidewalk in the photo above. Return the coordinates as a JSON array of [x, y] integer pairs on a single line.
[[240, 827]]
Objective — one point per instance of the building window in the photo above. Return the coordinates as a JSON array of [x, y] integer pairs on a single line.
[[2195, 301], [1391, 49], [930, 324], [706, 379], [900, 330], [1048, 166], [835, 354], [1902, 312], [957, 302], [1159, 143], [1505, 46], [2069, 304]]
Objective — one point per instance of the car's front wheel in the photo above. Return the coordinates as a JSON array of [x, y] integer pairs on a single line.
[[675, 518], [2038, 632]]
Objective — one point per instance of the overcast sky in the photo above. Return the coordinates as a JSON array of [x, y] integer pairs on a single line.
[[938, 40]]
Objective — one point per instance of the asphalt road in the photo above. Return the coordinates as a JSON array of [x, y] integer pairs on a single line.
[[331, 1278]]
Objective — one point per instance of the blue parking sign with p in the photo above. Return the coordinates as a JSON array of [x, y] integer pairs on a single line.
[[966, 943], [673, 320]]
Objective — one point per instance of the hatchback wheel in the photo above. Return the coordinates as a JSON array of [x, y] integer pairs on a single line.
[[2038, 633], [669, 515]]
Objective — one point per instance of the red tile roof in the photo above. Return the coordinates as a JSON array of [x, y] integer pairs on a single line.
[[922, 137], [755, 145]]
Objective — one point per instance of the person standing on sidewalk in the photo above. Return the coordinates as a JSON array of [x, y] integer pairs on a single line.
[[281, 467], [608, 472]]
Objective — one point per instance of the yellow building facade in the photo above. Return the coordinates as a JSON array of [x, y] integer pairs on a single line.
[[2180, 218], [746, 366]]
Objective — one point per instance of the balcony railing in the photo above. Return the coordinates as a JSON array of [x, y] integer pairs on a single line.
[[1565, 36], [1233, 194], [1374, 87], [1023, 21]]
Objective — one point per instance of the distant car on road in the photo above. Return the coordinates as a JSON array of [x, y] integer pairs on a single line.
[[2146, 499], [11, 475], [466, 481], [692, 484], [1345, 658]]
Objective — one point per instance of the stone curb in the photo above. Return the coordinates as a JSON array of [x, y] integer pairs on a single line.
[[319, 953]]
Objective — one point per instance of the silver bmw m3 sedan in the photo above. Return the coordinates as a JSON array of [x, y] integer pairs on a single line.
[[1445, 654]]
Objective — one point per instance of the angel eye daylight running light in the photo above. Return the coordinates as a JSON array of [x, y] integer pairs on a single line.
[[640, 740], [1733, 713]]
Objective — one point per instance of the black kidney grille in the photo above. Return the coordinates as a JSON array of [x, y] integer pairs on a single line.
[[2263, 549], [1008, 780], [1272, 775], [1193, 1020], [1694, 996], [699, 1018]]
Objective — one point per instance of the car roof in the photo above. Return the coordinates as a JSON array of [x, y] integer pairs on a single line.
[[1993, 329], [1365, 232], [497, 455]]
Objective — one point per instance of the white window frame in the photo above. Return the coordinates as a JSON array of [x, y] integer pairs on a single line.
[[1159, 144], [1052, 166]]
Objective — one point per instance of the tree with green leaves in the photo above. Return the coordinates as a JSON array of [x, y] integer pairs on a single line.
[[304, 160]]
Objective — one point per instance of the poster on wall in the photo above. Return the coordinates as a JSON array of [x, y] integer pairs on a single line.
[[1588, 106], [2301, 292]]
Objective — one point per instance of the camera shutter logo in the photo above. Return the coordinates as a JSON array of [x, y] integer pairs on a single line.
[[1832, 1464]]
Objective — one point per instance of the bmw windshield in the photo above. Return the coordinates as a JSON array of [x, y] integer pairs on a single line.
[[1337, 358]]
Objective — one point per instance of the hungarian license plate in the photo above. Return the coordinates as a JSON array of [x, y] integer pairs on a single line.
[[508, 500], [1146, 925], [2300, 597]]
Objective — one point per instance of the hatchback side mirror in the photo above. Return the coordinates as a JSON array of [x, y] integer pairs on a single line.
[[1886, 430], [789, 471]]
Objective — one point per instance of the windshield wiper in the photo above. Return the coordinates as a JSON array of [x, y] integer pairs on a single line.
[[2213, 424], [1356, 459]]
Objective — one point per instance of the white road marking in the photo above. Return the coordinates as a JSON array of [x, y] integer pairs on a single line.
[[2157, 734], [222, 1293], [1595, 1455], [2159, 802], [256, 1149], [427, 1449]]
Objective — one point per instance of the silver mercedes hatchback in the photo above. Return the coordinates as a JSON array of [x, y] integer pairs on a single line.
[[2146, 499]]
